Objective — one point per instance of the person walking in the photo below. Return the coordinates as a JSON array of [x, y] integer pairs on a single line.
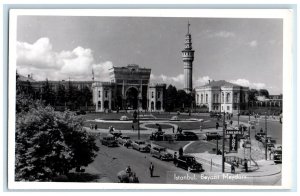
[[232, 168], [151, 168], [246, 165]]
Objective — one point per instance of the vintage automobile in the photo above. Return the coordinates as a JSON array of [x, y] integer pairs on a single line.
[[140, 145], [124, 140], [277, 156], [190, 135], [186, 136], [259, 135], [265, 139], [109, 141], [212, 136], [188, 162], [174, 118], [161, 153], [157, 136]]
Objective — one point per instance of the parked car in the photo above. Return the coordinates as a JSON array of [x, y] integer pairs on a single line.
[[124, 140], [174, 118], [81, 112], [277, 156], [188, 162], [190, 135], [212, 136], [179, 137], [140, 145], [161, 153], [265, 139], [259, 135], [109, 141], [270, 146], [116, 133], [157, 136], [124, 118]]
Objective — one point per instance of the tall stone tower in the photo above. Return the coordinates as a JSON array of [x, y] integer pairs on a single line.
[[188, 58]]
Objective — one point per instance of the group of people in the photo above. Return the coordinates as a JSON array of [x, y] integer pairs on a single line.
[[93, 126], [234, 164], [151, 170]]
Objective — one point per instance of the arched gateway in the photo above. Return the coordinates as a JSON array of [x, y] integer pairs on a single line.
[[129, 89]]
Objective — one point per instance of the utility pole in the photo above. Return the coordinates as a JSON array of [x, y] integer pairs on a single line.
[[266, 131], [223, 146], [138, 119]]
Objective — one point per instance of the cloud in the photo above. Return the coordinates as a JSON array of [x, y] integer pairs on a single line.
[[43, 62], [253, 43], [200, 81], [174, 80], [247, 83], [222, 34]]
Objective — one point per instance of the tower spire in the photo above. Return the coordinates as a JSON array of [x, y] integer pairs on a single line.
[[188, 58]]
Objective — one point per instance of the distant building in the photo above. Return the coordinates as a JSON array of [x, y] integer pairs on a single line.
[[222, 96], [129, 89], [263, 101]]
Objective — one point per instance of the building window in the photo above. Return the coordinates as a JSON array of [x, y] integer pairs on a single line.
[[222, 98], [227, 97], [197, 98], [235, 97], [217, 95], [99, 94], [106, 94], [206, 98], [201, 98], [158, 95], [152, 94], [99, 104], [228, 107]]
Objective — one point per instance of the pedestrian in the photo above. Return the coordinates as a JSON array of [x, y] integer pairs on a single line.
[[231, 122], [151, 168], [128, 170], [217, 125], [232, 168], [173, 129], [96, 126], [175, 157], [245, 165], [180, 151], [261, 130], [132, 127]]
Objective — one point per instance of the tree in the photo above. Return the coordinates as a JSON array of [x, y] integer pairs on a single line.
[[264, 92], [252, 94], [50, 143], [61, 95], [171, 96], [48, 94]]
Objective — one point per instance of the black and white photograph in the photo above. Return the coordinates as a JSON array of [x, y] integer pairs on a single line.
[[141, 98]]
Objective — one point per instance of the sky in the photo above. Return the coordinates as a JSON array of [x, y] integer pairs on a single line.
[[247, 52]]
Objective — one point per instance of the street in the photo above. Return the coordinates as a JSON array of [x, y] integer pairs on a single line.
[[112, 160], [274, 128]]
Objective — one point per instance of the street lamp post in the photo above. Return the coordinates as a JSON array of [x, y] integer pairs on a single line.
[[223, 145]]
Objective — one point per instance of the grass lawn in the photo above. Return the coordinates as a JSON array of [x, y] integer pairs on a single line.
[[163, 126], [173, 146], [196, 125], [117, 126], [204, 146], [163, 115]]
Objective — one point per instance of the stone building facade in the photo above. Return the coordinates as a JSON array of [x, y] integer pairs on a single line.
[[222, 96], [129, 89]]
